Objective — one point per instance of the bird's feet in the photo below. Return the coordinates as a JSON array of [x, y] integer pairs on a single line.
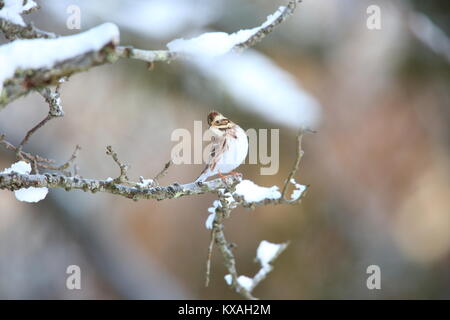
[[232, 173], [221, 176]]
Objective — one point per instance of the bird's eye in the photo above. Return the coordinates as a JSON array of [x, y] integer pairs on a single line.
[[217, 122]]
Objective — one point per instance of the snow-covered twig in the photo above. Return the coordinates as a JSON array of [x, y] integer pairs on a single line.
[[52, 59], [63, 56], [12, 24], [274, 20], [266, 254], [214, 44]]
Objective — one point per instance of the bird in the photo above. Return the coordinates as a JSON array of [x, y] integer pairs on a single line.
[[229, 146]]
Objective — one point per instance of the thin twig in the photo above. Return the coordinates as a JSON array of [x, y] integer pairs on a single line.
[[163, 172], [30, 133], [296, 163], [123, 167], [29, 156], [208, 259], [55, 110], [72, 158], [37, 160]]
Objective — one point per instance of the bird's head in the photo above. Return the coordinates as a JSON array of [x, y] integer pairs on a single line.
[[218, 121]]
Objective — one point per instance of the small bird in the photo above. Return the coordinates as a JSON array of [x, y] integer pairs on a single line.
[[229, 147]]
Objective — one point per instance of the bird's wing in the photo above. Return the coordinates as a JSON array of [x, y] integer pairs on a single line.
[[214, 148]]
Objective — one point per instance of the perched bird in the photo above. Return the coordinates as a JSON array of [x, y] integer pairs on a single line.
[[229, 147]]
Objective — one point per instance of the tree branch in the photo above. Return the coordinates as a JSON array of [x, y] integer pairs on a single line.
[[230, 200], [14, 31], [25, 81], [14, 181], [286, 12], [223, 211], [122, 178], [146, 55], [294, 169]]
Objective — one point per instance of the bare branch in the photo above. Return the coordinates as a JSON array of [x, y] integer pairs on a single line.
[[30, 133], [72, 158], [209, 256], [29, 156], [145, 55], [36, 160], [123, 167], [296, 163], [163, 172], [55, 110]]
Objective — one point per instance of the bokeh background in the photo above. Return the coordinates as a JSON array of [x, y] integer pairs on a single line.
[[379, 165]]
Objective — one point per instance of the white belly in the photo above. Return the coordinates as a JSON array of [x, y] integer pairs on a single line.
[[236, 153]]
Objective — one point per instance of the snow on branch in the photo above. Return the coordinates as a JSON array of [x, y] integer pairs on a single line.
[[32, 64], [265, 254], [29, 194], [213, 44], [11, 10], [267, 27], [248, 77], [12, 24], [21, 72]]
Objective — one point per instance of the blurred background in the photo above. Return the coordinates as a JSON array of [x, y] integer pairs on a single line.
[[379, 165]]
